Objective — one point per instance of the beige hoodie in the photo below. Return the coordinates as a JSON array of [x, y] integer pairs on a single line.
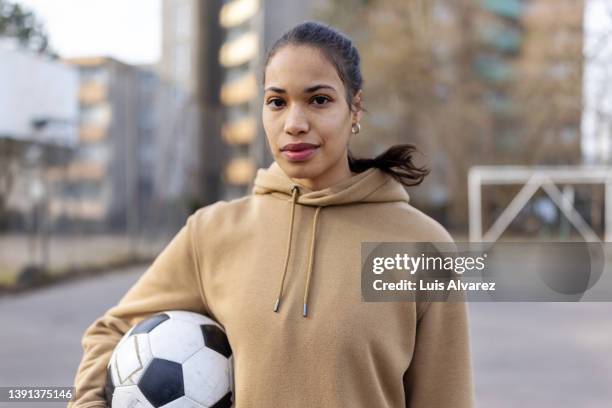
[[280, 270]]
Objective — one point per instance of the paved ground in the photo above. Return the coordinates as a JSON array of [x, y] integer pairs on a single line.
[[41, 330], [542, 354], [525, 354]]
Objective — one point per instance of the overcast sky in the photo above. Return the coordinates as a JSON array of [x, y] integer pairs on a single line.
[[129, 30]]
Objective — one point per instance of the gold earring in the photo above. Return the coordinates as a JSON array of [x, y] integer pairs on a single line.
[[356, 128]]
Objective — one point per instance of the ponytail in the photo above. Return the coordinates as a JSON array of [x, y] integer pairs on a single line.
[[395, 161]]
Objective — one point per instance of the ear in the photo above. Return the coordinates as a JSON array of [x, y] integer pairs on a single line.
[[357, 104]]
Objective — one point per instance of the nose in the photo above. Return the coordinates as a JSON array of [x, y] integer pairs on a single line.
[[296, 121]]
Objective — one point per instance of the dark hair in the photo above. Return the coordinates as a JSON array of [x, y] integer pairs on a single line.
[[340, 51]]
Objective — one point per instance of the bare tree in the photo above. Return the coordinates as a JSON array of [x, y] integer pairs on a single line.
[[424, 83], [23, 25], [9, 160]]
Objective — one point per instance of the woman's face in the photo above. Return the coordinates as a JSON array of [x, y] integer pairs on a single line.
[[306, 117]]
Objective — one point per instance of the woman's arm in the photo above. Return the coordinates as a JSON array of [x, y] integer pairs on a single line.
[[440, 374], [172, 282]]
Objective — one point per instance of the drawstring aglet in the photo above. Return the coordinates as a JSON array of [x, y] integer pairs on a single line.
[[305, 313], [276, 304]]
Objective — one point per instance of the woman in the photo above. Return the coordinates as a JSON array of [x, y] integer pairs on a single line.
[[280, 269]]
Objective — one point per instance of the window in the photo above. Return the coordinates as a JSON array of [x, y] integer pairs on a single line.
[[96, 74], [493, 68], [182, 62], [183, 20], [99, 115], [96, 152], [506, 8], [234, 73], [237, 112]]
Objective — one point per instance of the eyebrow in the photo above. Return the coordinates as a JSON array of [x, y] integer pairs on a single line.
[[310, 89]]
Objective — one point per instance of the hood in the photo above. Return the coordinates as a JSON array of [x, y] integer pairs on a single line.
[[370, 186]]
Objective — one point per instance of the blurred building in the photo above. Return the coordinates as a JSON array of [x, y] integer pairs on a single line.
[[529, 54], [191, 153], [38, 125], [494, 82], [109, 175], [48, 117], [216, 54]]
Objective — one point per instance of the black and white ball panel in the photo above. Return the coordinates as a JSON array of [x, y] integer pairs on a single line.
[[149, 324], [162, 382], [199, 384], [136, 355], [175, 359], [216, 339]]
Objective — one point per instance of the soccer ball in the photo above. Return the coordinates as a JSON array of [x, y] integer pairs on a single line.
[[175, 359]]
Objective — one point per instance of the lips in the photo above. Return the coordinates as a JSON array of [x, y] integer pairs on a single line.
[[298, 152], [297, 147]]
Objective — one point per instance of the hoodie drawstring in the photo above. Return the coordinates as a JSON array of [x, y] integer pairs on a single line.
[[294, 197], [310, 260], [295, 190]]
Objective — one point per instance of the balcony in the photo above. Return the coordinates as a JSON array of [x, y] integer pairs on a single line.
[[504, 39], [240, 171], [239, 91], [493, 69], [96, 115], [242, 131], [92, 133], [500, 104], [237, 12], [506, 8], [81, 170], [92, 92], [240, 50]]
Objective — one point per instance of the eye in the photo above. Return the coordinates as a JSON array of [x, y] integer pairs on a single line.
[[275, 103], [321, 100]]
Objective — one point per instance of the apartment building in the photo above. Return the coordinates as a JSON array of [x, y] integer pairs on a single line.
[[107, 178]]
